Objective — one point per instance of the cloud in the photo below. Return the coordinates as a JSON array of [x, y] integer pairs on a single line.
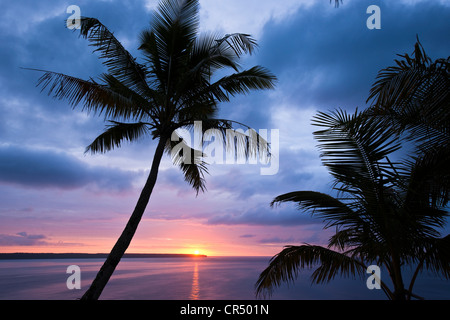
[[36, 168], [309, 235], [23, 239], [232, 15], [263, 216], [328, 58], [31, 236], [28, 14], [300, 169], [247, 236], [26, 240], [278, 240]]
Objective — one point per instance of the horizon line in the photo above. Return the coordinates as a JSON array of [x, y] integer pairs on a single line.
[[3, 254], [45, 255]]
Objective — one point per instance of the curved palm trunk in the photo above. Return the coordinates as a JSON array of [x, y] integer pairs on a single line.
[[113, 259]]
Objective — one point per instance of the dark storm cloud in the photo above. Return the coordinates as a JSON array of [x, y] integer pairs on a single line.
[[331, 59], [43, 169]]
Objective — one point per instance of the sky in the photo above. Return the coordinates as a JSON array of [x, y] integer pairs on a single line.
[[56, 198]]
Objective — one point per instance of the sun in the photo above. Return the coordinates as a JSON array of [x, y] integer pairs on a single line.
[[196, 252]]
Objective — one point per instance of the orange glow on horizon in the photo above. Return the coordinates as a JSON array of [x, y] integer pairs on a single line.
[[104, 247], [155, 237], [102, 250]]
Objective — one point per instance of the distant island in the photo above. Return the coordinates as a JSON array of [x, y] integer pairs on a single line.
[[16, 256]]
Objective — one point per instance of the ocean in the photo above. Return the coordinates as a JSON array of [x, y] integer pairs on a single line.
[[212, 278]]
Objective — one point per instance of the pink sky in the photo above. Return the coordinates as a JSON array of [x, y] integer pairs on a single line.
[[175, 222]]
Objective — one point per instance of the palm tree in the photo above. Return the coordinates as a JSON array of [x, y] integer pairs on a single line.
[[413, 98], [172, 89], [383, 214]]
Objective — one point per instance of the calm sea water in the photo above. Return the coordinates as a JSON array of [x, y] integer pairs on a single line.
[[212, 278]]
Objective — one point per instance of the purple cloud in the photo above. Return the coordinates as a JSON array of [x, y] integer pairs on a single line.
[[35, 168], [22, 239]]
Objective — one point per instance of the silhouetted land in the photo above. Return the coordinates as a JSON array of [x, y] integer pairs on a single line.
[[15, 256]]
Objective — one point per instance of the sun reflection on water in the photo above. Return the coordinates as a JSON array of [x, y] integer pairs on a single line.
[[195, 291]]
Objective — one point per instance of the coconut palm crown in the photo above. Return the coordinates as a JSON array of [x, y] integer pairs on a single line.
[[412, 98]]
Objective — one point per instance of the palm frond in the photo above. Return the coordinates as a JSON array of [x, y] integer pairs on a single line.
[[115, 134], [120, 63], [175, 18], [256, 78], [248, 145], [414, 94], [97, 98], [427, 182], [189, 160], [168, 41], [346, 238], [142, 106], [194, 174], [437, 257], [239, 43], [149, 47], [243, 144], [354, 149], [322, 206], [413, 97], [208, 55], [285, 266], [400, 82]]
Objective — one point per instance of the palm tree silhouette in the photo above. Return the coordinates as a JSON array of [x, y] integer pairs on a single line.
[[413, 98], [172, 89], [383, 215]]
